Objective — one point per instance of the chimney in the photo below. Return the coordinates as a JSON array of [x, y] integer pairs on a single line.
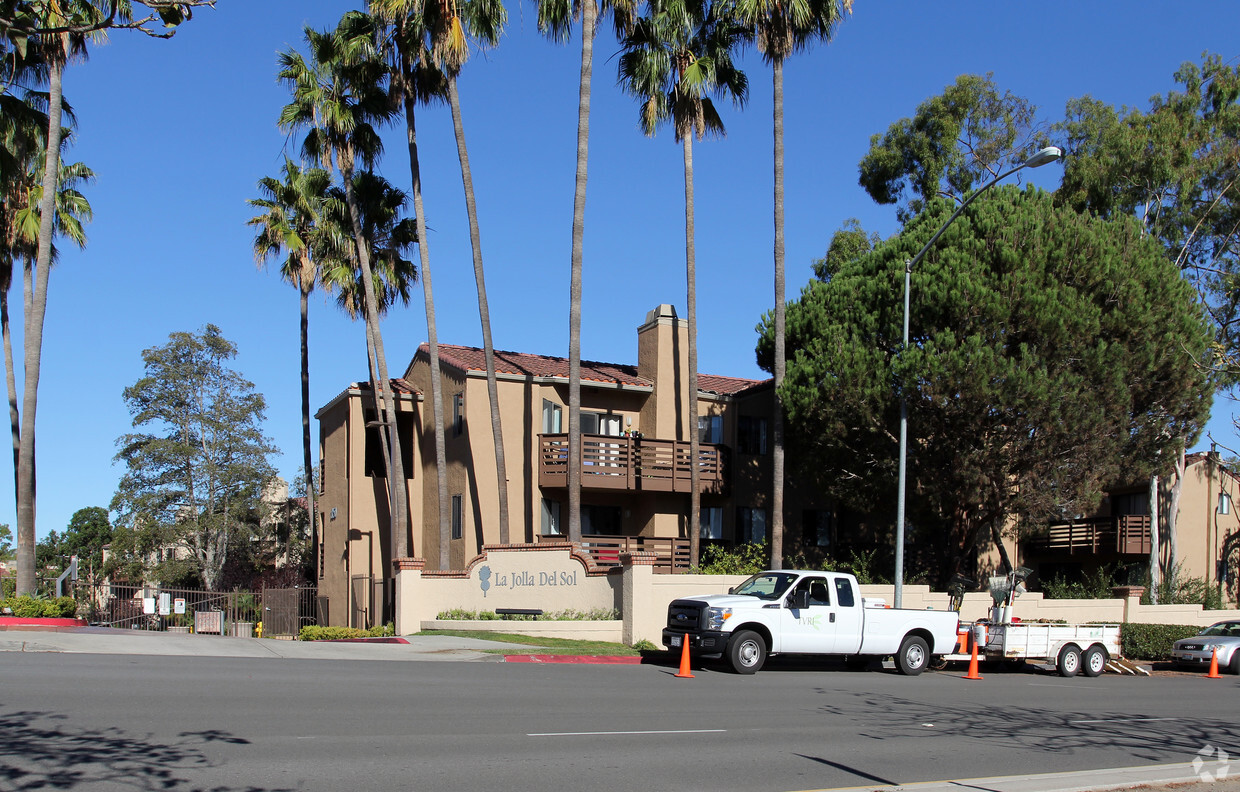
[[663, 358]]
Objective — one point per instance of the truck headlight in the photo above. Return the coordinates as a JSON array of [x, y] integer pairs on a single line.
[[715, 617]]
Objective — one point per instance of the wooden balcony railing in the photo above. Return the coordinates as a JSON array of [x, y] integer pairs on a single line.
[[671, 555], [632, 463], [1124, 535]]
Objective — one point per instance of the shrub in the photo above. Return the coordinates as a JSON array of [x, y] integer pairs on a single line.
[[26, 607], [1152, 641], [645, 646], [317, 633], [60, 608], [745, 559]]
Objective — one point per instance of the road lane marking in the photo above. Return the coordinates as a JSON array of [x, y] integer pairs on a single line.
[[607, 733], [1123, 720]]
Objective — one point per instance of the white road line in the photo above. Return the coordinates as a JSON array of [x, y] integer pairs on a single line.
[[1124, 720], [601, 733]]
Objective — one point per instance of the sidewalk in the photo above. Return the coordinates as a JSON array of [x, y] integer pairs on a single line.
[[1152, 778], [104, 640]]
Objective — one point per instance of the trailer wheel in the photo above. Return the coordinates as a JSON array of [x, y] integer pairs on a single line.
[[1094, 661], [914, 655], [1069, 661], [746, 652]]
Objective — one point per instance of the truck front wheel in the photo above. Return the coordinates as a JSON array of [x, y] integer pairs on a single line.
[[914, 655], [746, 652]]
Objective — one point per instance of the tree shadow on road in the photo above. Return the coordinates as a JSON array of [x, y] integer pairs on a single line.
[[43, 750]]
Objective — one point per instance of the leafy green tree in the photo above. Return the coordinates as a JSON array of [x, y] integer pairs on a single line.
[[338, 94], [780, 29], [951, 145], [291, 210], [196, 466], [6, 543], [58, 30], [849, 243], [1051, 354], [555, 20], [673, 61], [88, 531]]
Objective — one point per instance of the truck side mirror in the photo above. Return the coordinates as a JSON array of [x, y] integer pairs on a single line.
[[799, 599]]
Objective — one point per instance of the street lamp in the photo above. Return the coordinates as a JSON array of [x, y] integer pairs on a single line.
[[1048, 154]]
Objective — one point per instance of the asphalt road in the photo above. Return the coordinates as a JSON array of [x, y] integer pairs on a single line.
[[118, 722]]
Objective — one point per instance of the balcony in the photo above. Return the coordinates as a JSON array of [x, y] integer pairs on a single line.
[[633, 464], [671, 555], [1123, 535]]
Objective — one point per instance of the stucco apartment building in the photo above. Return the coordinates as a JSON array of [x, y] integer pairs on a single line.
[[635, 473]]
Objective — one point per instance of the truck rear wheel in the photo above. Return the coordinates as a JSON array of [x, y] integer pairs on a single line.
[[1069, 661], [746, 652], [1094, 661], [914, 655]]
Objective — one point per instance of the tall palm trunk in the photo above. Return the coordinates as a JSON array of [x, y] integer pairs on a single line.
[[432, 336], [695, 495], [10, 381], [307, 459], [589, 18], [32, 341], [396, 479], [777, 412], [484, 312]]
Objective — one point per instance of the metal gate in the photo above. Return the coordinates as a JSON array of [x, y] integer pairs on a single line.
[[286, 611]]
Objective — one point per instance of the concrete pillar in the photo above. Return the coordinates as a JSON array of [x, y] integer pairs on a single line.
[[408, 575], [1131, 595], [636, 598]]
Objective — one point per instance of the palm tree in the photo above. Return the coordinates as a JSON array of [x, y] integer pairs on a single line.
[[555, 19], [674, 59], [291, 209], [338, 95], [782, 27], [445, 24], [414, 81]]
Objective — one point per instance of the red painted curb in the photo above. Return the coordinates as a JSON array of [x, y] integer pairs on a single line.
[[22, 621], [588, 659]]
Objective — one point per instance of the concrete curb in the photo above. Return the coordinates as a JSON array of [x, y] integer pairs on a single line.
[[1080, 781]]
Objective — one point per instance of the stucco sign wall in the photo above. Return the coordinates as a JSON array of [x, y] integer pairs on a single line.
[[548, 578]]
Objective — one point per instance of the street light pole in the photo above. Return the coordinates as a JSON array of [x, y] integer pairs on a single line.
[[1046, 155]]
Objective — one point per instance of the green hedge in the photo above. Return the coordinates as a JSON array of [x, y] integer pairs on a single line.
[[1152, 641], [28, 607], [316, 633]]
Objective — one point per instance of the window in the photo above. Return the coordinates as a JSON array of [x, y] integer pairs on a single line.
[[844, 593], [817, 590], [601, 424], [551, 518], [322, 479], [553, 418], [712, 522], [322, 557], [710, 429], [750, 525], [751, 435], [1130, 503], [375, 465], [458, 517], [600, 520], [458, 414], [817, 527]]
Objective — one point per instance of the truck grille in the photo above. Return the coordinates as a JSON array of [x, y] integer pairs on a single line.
[[684, 615]]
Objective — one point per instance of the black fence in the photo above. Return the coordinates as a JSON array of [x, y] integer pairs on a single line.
[[271, 612]]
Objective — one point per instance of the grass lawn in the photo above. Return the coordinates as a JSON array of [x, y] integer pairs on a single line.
[[542, 645]]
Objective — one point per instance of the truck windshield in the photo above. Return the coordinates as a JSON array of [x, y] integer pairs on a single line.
[[766, 585]]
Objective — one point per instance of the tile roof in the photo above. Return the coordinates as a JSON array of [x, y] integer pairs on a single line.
[[399, 385], [522, 364]]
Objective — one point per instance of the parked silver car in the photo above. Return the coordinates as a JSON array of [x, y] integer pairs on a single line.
[[1195, 652]]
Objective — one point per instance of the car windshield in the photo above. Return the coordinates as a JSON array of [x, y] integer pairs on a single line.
[[1223, 629], [766, 585]]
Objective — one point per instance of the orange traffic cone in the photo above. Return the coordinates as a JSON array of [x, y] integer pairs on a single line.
[[684, 672], [973, 663], [1214, 674]]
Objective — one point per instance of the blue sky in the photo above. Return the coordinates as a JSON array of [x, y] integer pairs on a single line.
[[178, 133]]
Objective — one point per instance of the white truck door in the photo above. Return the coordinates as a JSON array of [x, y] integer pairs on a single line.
[[848, 616], [812, 629]]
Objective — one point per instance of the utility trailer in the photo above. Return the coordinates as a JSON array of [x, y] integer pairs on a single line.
[[1069, 648]]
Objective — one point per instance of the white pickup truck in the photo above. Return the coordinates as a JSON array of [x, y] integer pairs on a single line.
[[789, 612]]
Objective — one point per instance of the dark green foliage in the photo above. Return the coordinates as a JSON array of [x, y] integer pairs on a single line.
[[744, 559], [193, 480], [848, 244], [953, 144], [1152, 641], [85, 536], [1050, 354]]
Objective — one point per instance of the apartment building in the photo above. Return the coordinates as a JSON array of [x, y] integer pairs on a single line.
[[635, 464]]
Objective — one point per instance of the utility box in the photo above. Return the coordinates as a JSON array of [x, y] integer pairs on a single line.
[[209, 622]]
